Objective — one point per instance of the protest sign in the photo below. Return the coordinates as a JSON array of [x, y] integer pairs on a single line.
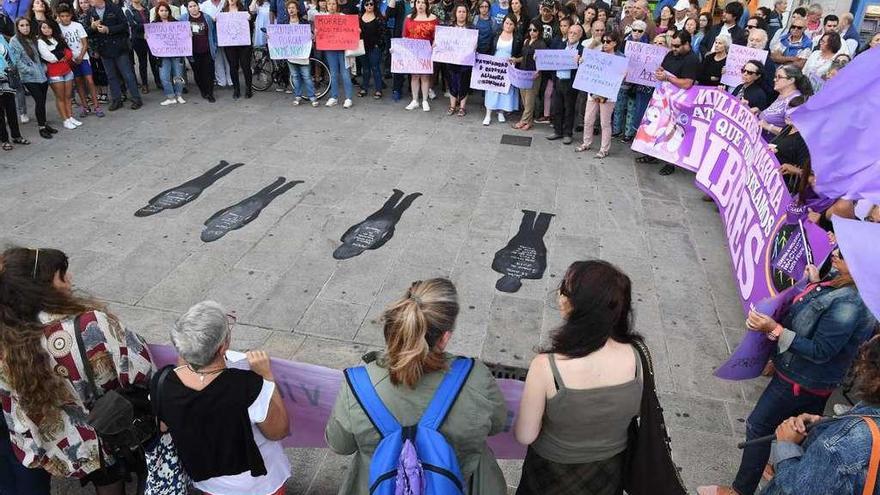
[[711, 133], [411, 56], [454, 45], [601, 73], [522, 79], [233, 29], [169, 39], [289, 41], [490, 74], [556, 59], [737, 57], [309, 392], [337, 32], [644, 59]]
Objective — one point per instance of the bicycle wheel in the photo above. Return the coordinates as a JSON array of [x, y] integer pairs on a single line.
[[320, 77], [262, 70]]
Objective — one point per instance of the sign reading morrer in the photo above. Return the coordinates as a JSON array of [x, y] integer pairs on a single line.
[[525, 255], [337, 32]]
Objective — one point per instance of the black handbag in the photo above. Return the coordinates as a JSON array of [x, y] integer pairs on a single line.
[[649, 466]]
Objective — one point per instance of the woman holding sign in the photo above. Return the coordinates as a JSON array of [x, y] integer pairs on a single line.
[[171, 68], [601, 106], [458, 76], [526, 61], [421, 25], [507, 45], [240, 56], [204, 40], [336, 61]]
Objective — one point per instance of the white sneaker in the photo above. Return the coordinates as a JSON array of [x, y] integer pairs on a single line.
[[347, 103], [168, 101], [425, 106], [501, 117], [25, 119], [68, 124], [75, 122], [431, 94], [331, 102], [412, 105], [279, 89], [315, 102], [180, 100], [288, 91], [488, 119], [447, 94], [296, 101]]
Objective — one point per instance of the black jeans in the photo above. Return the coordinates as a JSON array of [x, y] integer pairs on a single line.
[[139, 45], [563, 107], [239, 57], [203, 71], [9, 113], [38, 93]]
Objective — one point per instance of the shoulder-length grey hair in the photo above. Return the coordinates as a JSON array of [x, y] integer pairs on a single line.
[[199, 333]]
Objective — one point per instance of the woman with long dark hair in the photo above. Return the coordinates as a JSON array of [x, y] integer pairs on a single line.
[[239, 57], [170, 68], [54, 51], [458, 76], [32, 71], [583, 390], [8, 112], [204, 43], [42, 377], [373, 33]]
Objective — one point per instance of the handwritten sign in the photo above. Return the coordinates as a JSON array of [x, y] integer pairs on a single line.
[[522, 79], [411, 56], [337, 32], [233, 29], [454, 45], [169, 39], [556, 59], [643, 61], [737, 57], [490, 74], [601, 73], [289, 41]]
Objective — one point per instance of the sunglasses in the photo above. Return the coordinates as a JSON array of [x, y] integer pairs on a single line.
[[533, 30], [797, 27], [781, 77], [638, 30], [607, 41], [751, 26], [749, 72]]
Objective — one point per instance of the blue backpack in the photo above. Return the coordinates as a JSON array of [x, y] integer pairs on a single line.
[[417, 459]]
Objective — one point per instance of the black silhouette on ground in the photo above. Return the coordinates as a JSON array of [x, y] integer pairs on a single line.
[[188, 191], [376, 229], [240, 214], [525, 255]]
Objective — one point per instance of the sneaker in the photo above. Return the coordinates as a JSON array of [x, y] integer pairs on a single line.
[[315, 102], [447, 94], [180, 99], [99, 112], [168, 101], [296, 101], [288, 91], [69, 125], [24, 118], [412, 105], [347, 103], [542, 120], [83, 112], [425, 106], [431, 94], [501, 117], [75, 122], [487, 120], [279, 89], [331, 102]]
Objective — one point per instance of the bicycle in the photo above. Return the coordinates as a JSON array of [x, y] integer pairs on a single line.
[[268, 72]]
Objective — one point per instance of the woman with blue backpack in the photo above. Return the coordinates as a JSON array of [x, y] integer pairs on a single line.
[[415, 415]]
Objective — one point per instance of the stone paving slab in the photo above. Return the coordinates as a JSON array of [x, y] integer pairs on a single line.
[[79, 192]]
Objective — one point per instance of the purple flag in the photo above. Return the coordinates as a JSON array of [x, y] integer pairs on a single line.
[[858, 243], [840, 126]]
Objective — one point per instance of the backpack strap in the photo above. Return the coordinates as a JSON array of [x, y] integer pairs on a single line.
[[87, 365], [874, 463], [359, 382], [447, 393]]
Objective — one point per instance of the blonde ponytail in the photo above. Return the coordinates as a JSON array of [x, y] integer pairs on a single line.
[[414, 325]]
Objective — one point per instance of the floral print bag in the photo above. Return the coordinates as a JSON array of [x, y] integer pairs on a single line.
[[165, 473]]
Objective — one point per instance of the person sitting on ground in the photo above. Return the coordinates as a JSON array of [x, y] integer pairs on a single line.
[[584, 389], [833, 457], [226, 423], [418, 328], [43, 381]]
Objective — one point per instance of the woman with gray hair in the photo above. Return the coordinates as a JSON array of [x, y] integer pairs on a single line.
[[226, 423], [713, 62]]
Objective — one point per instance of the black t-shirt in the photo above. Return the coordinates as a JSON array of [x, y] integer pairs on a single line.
[[685, 66], [710, 72], [549, 30], [211, 427]]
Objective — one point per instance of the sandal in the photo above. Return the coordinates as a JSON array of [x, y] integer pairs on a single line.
[[582, 148], [450, 111], [8, 147], [526, 127], [21, 141], [377, 95], [601, 154], [462, 112], [362, 93], [517, 125]]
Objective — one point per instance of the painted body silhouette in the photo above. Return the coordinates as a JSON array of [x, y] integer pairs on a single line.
[[376, 229], [246, 210], [188, 191], [525, 255]]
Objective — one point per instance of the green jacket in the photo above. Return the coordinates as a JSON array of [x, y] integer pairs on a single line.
[[479, 412]]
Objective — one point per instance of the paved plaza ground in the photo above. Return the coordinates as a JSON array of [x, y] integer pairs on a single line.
[[79, 191]]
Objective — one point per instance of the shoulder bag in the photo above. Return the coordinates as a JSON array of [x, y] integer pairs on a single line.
[[165, 473]]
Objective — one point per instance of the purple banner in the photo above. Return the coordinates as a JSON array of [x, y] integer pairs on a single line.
[[309, 393], [411, 56], [858, 243], [709, 132], [793, 258]]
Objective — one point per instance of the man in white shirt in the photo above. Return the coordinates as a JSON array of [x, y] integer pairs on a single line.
[[681, 10]]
